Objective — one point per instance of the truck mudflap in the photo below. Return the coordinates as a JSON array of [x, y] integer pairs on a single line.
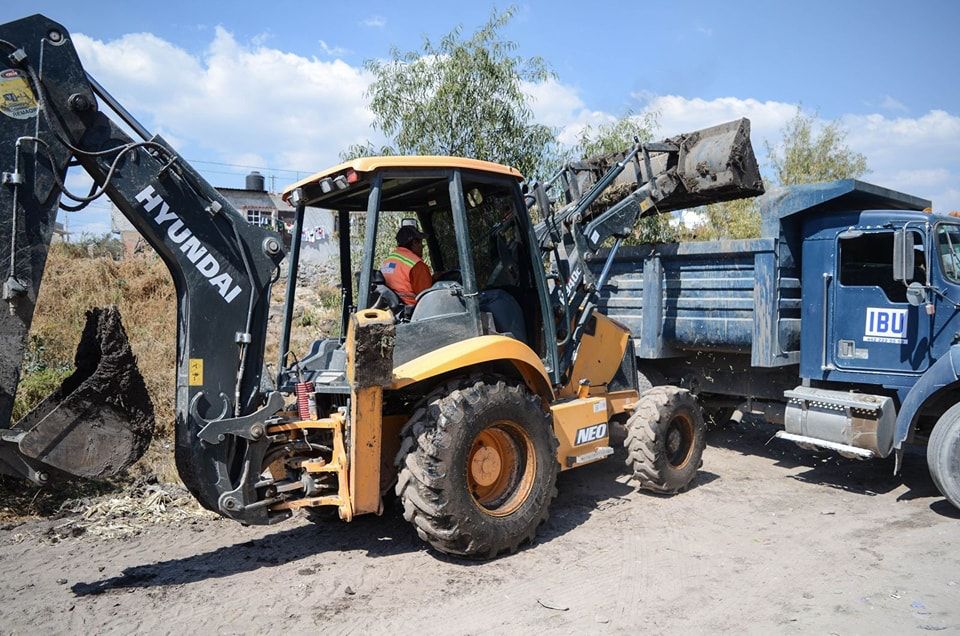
[[944, 372], [97, 423]]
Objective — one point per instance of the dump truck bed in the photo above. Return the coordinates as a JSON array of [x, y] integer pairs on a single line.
[[733, 296]]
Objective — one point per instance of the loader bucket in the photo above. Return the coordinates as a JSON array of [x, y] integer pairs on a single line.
[[100, 420], [708, 166]]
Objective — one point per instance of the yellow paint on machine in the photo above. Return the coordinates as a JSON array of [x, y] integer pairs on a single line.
[[475, 351], [372, 164], [195, 372], [366, 423], [599, 356], [581, 427]]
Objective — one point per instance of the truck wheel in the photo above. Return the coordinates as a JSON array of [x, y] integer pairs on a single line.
[[943, 455], [477, 468], [665, 439]]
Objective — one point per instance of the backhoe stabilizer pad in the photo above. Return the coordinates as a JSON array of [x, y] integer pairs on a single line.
[[100, 420]]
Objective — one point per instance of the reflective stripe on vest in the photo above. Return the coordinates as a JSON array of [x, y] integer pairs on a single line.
[[396, 273]]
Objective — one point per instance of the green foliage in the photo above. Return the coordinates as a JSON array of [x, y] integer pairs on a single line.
[[365, 149], [803, 157], [616, 136], [738, 219], [34, 387], [461, 96]]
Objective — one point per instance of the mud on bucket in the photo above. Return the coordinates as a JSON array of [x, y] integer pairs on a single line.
[[100, 420]]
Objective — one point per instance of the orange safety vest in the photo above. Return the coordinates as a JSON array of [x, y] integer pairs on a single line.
[[396, 272]]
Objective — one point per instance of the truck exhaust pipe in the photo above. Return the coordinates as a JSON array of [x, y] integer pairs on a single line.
[[97, 423]]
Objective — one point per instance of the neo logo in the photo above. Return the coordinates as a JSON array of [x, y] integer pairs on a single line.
[[885, 323], [590, 434]]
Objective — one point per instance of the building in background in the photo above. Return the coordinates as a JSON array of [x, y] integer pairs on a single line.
[[259, 207]]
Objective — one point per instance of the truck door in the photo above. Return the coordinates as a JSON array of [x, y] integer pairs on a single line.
[[873, 327]]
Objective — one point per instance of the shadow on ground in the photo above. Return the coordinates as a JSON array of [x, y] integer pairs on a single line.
[[581, 493], [824, 468]]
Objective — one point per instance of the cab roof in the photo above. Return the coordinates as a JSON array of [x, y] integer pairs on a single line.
[[372, 164]]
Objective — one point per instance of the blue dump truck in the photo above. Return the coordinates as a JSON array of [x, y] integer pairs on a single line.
[[842, 322]]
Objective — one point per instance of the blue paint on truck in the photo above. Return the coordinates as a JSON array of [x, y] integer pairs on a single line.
[[814, 308]]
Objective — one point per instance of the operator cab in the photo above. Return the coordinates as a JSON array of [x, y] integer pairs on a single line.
[[477, 243]]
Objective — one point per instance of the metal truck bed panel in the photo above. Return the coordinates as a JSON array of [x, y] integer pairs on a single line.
[[725, 296]]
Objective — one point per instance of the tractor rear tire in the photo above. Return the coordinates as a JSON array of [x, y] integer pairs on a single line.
[[666, 436], [477, 468], [943, 455]]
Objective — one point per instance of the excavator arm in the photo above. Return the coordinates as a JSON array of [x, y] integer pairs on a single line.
[[53, 118]]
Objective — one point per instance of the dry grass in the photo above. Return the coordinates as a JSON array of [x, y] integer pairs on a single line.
[[77, 279]]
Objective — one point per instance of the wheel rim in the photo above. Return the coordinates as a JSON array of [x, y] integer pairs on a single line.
[[679, 441], [500, 468]]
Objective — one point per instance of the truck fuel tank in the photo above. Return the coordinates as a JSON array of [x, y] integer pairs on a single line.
[[853, 424]]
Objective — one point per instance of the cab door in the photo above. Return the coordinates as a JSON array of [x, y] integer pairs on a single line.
[[873, 327]]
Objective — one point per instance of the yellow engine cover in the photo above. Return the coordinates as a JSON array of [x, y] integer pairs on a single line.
[[583, 432]]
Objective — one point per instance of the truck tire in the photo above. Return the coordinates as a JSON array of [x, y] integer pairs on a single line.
[[943, 455], [477, 468], [666, 436]]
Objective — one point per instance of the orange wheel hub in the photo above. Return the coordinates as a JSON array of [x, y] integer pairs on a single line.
[[501, 468]]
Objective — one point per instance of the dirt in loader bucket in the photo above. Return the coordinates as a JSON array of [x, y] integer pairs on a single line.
[[100, 420]]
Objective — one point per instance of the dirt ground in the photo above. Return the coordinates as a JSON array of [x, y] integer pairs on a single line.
[[771, 538]]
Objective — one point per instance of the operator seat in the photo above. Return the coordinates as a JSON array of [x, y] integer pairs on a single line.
[[386, 298], [446, 297]]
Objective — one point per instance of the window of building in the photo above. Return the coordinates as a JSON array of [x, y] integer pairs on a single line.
[[259, 217]]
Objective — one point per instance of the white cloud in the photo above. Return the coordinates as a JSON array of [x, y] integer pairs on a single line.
[[374, 22], [681, 114], [333, 51], [890, 103], [255, 105], [560, 106], [917, 155], [235, 101]]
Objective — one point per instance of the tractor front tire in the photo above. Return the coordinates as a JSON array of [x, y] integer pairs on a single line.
[[666, 436], [477, 468], [943, 455]]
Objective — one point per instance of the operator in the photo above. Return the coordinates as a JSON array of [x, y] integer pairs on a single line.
[[404, 270]]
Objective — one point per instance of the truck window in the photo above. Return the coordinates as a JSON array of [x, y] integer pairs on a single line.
[[948, 246], [867, 261]]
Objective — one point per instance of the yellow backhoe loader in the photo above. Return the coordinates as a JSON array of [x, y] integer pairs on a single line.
[[466, 405]]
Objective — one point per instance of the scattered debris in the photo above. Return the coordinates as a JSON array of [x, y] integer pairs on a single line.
[[127, 514], [550, 607]]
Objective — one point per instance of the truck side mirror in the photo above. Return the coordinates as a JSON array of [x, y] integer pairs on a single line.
[[916, 294], [903, 255]]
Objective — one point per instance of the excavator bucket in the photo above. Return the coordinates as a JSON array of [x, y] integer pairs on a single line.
[[100, 420]]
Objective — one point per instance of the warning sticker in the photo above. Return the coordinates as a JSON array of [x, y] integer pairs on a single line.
[[16, 97], [195, 372]]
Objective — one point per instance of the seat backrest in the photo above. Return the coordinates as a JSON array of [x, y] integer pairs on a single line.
[[444, 298]]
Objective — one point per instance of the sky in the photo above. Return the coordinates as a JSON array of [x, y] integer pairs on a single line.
[[279, 86]]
